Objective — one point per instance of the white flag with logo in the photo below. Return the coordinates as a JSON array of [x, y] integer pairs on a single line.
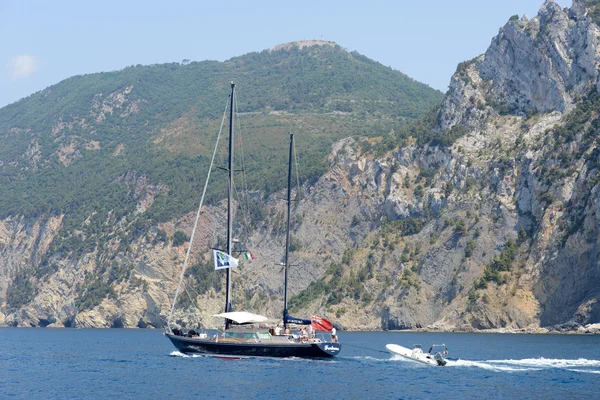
[[224, 260]]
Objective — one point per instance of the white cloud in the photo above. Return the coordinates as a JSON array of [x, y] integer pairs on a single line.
[[23, 66]]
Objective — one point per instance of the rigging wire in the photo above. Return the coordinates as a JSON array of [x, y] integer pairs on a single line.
[[192, 301], [243, 201], [168, 278], [240, 201], [299, 191], [366, 348], [187, 255], [187, 287], [298, 187]]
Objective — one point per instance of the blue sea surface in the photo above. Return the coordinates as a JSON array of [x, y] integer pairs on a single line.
[[125, 364]]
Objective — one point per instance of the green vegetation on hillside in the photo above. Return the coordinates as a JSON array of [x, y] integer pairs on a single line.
[[502, 263], [99, 285], [594, 10], [573, 140], [422, 131], [93, 146], [335, 286], [21, 291], [140, 103]]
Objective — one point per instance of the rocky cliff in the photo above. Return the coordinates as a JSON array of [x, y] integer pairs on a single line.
[[497, 228]]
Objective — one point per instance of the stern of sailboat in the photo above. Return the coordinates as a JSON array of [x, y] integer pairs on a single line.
[[331, 349]]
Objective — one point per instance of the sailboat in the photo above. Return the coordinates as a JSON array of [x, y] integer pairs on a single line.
[[246, 334]]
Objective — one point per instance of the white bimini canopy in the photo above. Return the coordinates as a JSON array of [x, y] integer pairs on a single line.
[[243, 317]]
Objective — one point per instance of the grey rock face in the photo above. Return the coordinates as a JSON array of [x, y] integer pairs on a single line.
[[543, 64], [540, 65]]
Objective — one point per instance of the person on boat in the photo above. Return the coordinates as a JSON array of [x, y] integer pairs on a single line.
[[334, 338], [277, 330], [303, 335], [311, 333]]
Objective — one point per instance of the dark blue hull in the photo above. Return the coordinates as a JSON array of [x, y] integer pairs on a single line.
[[191, 345]]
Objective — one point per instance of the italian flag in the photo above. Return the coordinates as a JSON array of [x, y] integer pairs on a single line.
[[248, 256]]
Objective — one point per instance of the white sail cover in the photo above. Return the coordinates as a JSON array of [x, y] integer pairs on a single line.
[[242, 317]]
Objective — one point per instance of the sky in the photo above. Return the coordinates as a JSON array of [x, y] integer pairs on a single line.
[[43, 42]]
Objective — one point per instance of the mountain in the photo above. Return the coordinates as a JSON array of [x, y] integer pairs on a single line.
[[98, 164], [480, 214], [117, 121], [493, 224]]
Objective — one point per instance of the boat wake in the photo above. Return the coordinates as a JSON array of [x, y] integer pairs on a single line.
[[180, 354], [586, 371], [366, 359], [532, 364], [396, 357]]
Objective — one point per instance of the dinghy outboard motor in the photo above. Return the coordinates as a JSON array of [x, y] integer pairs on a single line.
[[439, 359]]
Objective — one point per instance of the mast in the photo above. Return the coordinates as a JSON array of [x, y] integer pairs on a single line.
[[229, 196], [287, 238]]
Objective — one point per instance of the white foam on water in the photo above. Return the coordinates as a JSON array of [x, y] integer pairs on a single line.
[[367, 358], [488, 366], [531, 364], [396, 357], [587, 371], [180, 354], [549, 362], [580, 365]]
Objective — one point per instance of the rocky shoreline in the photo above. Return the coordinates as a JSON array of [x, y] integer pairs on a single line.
[[564, 329]]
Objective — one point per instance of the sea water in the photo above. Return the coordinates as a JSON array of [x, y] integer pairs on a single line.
[[125, 364]]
